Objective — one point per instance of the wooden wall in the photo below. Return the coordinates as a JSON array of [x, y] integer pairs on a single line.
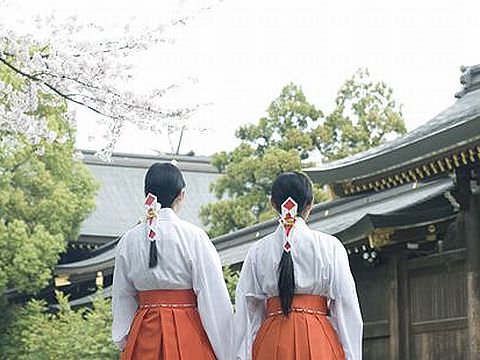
[[372, 288], [435, 322], [414, 308]]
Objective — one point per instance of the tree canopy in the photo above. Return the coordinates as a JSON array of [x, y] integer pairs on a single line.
[[365, 116], [35, 333], [45, 193], [277, 143]]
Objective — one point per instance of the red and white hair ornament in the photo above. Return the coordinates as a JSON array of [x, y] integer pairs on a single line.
[[287, 220], [151, 210]]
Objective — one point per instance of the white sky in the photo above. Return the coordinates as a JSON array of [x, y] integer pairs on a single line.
[[242, 52]]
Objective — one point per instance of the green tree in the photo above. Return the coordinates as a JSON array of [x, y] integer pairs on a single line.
[[277, 143], [37, 334], [286, 126], [44, 194], [366, 115], [231, 278]]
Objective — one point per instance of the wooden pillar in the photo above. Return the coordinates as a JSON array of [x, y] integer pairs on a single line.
[[393, 308], [472, 234]]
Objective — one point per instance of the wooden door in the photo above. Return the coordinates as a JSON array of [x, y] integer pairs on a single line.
[[433, 307]]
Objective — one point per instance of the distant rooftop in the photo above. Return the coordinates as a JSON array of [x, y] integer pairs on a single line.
[[350, 219], [119, 202], [449, 140], [185, 162]]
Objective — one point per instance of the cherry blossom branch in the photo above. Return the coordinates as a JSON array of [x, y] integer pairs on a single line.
[[58, 92], [90, 74]]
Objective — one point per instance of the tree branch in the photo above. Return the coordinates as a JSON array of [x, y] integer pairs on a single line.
[[82, 103], [55, 90]]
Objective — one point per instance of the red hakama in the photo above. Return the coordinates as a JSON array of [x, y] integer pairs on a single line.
[[305, 334], [167, 326]]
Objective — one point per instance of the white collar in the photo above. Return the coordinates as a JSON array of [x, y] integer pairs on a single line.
[[167, 214]]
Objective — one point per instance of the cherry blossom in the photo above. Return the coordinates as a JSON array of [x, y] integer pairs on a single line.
[[80, 64]]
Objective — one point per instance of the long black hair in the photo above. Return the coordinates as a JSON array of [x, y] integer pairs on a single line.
[[166, 182], [299, 187]]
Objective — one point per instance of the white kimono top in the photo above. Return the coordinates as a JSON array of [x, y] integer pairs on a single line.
[[321, 268], [187, 259]]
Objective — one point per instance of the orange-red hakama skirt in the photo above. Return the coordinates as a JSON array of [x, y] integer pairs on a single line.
[[305, 334], [167, 326]]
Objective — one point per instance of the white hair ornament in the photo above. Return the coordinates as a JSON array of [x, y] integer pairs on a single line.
[[288, 219]]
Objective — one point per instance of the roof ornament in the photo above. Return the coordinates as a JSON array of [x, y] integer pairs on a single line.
[[470, 80]]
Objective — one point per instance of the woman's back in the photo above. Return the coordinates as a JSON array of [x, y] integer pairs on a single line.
[[314, 256], [296, 297], [179, 244], [170, 301]]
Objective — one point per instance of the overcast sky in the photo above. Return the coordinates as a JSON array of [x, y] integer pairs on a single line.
[[242, 52]]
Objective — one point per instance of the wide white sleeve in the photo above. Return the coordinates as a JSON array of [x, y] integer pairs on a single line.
[[213, 301], [249, 310], [344, 307], [124, 302]]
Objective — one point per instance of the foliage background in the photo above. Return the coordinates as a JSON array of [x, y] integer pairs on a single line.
[[45, 194], [34, 333], [365, 115]]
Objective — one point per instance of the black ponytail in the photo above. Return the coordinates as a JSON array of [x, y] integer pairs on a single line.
[[153, 258], [166, 182], [299, 187], [286, 281]]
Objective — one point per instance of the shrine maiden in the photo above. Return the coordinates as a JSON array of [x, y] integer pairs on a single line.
[[169, 297], [296, 298]]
